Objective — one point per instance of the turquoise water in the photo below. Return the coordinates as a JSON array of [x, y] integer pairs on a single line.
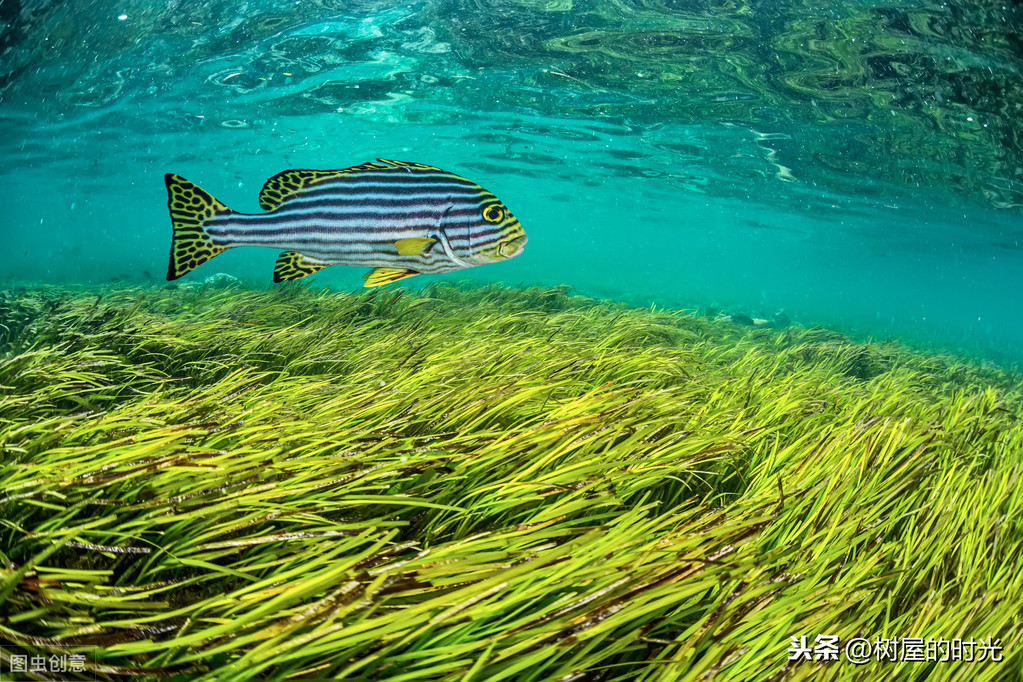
[[859, 166]]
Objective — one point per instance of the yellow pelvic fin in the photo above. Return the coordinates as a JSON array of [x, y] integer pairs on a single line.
[[191, 211], [413, 246], [380, 276], [293, 265]]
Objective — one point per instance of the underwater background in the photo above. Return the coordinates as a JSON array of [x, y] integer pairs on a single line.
[[855, 164], [590, 462]]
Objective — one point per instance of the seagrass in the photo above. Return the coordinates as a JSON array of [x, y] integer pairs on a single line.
[[486, 483]]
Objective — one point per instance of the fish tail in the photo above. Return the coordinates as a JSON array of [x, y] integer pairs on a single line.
[[192, 210]]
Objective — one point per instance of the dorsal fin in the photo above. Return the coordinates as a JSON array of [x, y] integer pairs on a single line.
[[287, 184], [409, 164]]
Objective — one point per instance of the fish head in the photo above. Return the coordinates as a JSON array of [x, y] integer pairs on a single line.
[[487, 234]]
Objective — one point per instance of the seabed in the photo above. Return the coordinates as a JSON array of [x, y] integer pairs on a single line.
[[484, 483]]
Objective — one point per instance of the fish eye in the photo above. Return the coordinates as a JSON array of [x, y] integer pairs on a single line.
[[493, 214]]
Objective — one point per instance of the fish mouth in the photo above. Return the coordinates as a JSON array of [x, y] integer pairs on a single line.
[[513, 247]]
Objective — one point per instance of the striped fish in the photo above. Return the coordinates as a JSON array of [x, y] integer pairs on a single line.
[[402, 219]]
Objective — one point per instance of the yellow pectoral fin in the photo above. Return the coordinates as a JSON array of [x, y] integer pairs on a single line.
[[293, 265], [381, 276], [414, 246]]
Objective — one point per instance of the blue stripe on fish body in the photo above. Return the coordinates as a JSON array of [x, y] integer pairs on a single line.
[[401, 218]]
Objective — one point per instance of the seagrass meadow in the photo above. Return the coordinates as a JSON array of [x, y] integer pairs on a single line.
[[484, 483]]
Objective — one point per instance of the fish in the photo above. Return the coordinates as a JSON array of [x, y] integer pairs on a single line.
[[402, 219]]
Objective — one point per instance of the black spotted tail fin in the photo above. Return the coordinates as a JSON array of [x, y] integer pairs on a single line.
[[192, 209]]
